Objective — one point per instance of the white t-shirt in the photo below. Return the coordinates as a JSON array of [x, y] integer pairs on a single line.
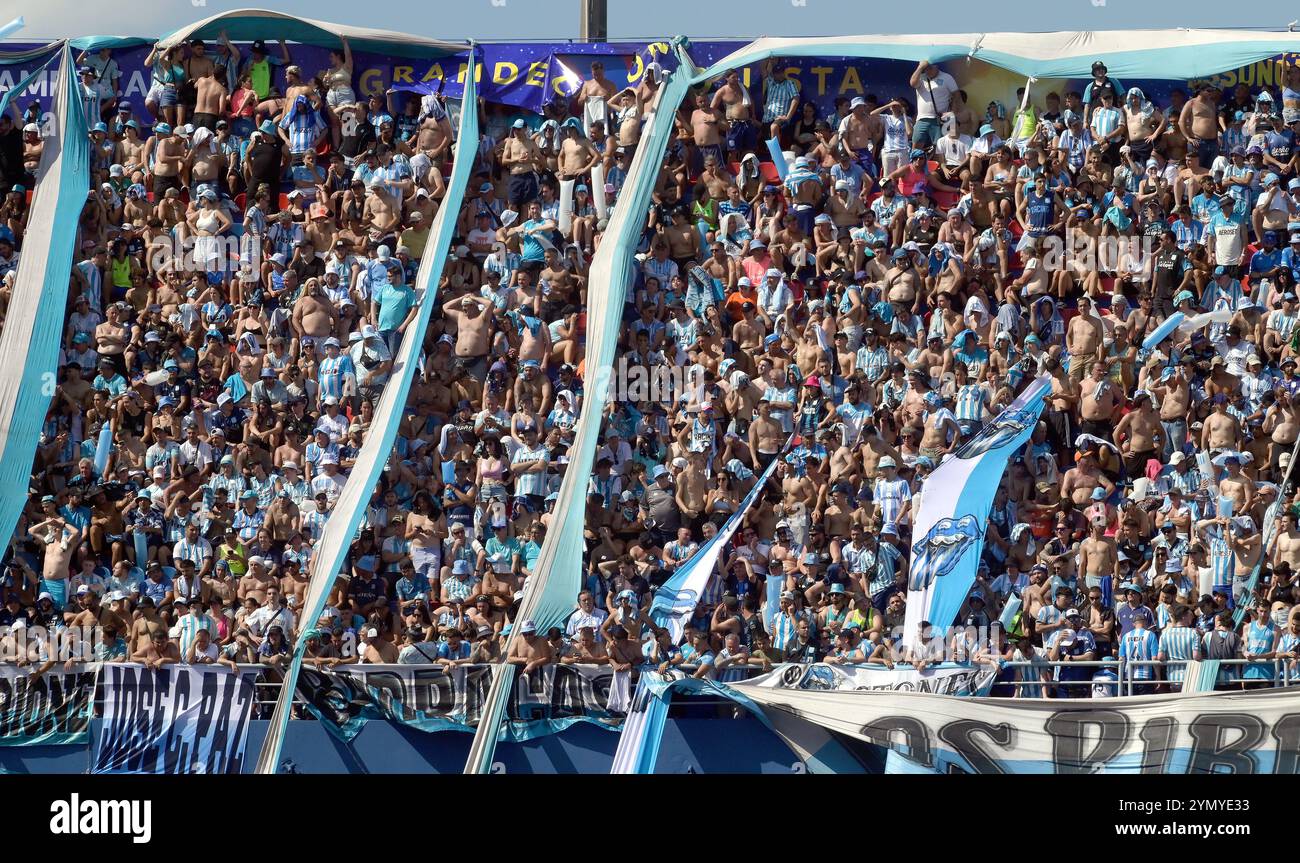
[[953, 150], [934, 95]]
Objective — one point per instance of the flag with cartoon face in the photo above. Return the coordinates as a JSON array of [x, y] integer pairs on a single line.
[[948, 528]]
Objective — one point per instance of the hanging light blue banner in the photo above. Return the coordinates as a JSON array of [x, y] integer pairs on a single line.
[[948, 530]]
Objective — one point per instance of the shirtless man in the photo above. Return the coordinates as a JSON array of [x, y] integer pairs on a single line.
[[717, 178], [169, 154], [1199, 123], [1099, 400], [1078, 482], [748, 333], [766, 437], [1237, 487], [1281, 425], [212, 100], [313, 314], [1139, 435], [732, 99], [146, 627], [433, 138], [1286, 546], [1175, 402], [596, 91], [382, 211], [683, 242], [1144, 129], [157, 651], [61, 540], [587, 650], [863, 133], [294, 583], [873, 449], [706, 122], [1083, 341], [577, 156], [692, 489], [1098, 555], [473, 330], [529, 650], [1222, 430], [256, 582], [379, 650], [940, 431], [521, 158]]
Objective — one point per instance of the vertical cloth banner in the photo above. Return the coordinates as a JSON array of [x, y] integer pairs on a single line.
[[549, 594], [29, 345], [675, 600], [948, 531], [332, 549], [643, 731], [176, 719]]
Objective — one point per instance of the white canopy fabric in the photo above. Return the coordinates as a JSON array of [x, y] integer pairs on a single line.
[[246, 25], [1166, 54]]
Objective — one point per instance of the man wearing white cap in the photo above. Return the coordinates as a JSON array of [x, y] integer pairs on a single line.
[[861, 132], [892, 495], [372, 361], [529, 650], [329, 481], [521, 158]]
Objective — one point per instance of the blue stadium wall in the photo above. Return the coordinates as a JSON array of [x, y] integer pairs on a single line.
[[689, 745]]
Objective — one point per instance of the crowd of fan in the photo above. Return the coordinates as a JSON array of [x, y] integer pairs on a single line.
[[243, 280]]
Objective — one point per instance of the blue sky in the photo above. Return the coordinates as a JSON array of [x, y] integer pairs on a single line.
[[631, 19]]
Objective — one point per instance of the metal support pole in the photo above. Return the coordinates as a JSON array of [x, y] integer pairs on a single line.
[[594, 26]]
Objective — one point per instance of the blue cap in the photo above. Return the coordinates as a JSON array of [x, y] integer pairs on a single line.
[[267, 127], [100, 127], [986, 129], [163, 128], [1218, 271], [917, 154]]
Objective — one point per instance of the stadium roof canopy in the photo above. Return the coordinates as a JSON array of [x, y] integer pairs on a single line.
[[1169, 54], [247, 25]]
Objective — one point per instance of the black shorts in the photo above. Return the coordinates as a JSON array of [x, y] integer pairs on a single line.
[[162, 184], [521, 189], [204, 119]]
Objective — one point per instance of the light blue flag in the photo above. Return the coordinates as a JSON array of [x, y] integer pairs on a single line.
[[29, 344], [675, 601], [141, 549], [948, 531], [1160, 333], [103, 449], [643, 729], [778, 157], [1009, 612]]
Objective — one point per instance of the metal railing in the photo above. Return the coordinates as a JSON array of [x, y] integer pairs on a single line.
[[1131, 680], [1030, 679]]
